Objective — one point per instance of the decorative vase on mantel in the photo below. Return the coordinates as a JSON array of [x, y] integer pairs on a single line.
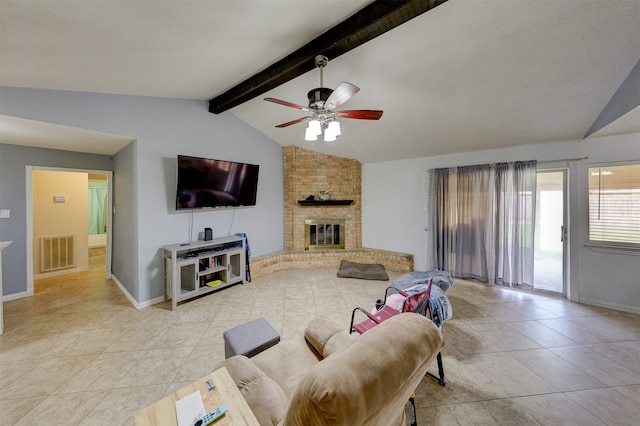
[[324, 195]]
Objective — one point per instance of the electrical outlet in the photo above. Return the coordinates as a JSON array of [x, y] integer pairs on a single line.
[[5, 213]]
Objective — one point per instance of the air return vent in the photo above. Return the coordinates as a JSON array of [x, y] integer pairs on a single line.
[[57, 252]]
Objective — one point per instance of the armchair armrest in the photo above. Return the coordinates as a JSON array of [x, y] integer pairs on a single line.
[[264, 396]]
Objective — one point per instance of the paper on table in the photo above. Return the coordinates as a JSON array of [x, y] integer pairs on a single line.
[[189, 409]]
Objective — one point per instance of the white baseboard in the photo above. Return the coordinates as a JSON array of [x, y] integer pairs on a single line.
[[14, 296], [151, 302], [134, 302], [614, 306]]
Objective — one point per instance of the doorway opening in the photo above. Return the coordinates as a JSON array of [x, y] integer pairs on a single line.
[[97, 214], [550, 232], [58, 203]]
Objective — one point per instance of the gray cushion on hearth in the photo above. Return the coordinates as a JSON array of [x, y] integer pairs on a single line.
[[365, 271]]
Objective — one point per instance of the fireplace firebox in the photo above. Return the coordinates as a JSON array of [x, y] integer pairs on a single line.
[[324, 234]]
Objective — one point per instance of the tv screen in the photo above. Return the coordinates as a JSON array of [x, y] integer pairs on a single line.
[[207, 183]]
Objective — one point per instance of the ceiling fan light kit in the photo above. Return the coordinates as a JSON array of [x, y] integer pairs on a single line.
[[329, 136], [334, 127], [315, 127], [310, 135], [322, 102]]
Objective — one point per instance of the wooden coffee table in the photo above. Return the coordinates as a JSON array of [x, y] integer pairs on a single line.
[[163, 412]]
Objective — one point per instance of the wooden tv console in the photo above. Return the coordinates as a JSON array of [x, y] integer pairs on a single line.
[[202, 267]]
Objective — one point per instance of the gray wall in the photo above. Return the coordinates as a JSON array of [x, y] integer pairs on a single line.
[[145, 173], [124, 260], [13, 160]]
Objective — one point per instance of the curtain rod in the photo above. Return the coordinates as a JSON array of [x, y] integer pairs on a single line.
[[563, 160], [538, 162]]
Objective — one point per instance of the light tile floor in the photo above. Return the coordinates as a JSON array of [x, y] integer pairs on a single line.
[[78, 353]]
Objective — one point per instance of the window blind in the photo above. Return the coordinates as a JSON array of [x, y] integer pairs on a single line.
[[614, 204]]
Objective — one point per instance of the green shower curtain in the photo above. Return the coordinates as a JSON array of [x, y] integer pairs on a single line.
[[97, 208]]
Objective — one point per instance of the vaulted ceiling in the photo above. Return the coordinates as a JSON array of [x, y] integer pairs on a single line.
[[464, 76]]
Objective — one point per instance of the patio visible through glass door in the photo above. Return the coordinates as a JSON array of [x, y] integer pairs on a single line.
[[550, 229]]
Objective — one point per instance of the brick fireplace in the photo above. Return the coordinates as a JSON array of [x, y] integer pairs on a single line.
[[307, 173]]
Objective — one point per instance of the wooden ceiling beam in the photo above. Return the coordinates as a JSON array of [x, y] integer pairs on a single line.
[[371, 21]]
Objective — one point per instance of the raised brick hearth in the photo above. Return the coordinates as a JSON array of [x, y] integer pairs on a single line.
[[272, 262], [307, 173]]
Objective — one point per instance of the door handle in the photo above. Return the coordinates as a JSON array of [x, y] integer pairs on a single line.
[[563, 233]]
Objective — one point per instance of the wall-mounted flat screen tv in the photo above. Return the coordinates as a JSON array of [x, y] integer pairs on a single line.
[[206, 183]]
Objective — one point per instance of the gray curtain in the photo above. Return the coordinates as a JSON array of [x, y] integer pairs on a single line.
[[483, 222]]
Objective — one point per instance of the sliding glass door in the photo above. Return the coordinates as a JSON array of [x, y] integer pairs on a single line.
[[550, 231]]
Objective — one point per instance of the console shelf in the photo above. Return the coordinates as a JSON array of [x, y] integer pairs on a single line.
[[199, 268]]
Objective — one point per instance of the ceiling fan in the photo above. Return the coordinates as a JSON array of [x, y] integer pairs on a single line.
[[322, 102]]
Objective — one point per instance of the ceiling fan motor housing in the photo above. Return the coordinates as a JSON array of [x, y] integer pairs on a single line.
[[318, 97]]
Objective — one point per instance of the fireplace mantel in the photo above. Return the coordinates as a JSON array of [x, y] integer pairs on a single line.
[[307, 203]]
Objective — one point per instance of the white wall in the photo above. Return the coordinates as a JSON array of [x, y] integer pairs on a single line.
[[395, 211]]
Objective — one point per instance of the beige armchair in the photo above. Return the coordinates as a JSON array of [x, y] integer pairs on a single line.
[[331, 377]]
